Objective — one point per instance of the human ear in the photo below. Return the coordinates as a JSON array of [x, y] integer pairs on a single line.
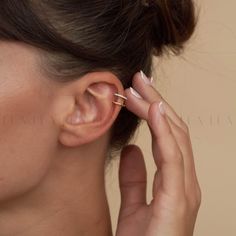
[[87, 111]]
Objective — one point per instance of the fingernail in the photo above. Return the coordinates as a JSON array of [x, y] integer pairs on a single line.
[[135, 93], [151, 80], [161, 108], [145, 78]]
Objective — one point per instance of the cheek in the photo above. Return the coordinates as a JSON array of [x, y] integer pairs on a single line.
[[26, 143]]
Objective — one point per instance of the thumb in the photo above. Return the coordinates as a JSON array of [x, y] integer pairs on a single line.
[[132, 180]]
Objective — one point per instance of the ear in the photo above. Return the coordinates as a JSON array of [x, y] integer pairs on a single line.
[[87, 111]]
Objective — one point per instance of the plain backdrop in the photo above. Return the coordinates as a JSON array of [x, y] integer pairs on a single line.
[[201, 87]]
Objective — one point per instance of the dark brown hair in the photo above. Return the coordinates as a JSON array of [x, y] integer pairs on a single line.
[[121, 36]]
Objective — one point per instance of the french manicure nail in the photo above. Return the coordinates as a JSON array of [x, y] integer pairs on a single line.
[[145, 78], [135, 93], [161, 108]]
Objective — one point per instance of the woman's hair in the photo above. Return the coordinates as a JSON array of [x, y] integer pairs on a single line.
[[75, 37]]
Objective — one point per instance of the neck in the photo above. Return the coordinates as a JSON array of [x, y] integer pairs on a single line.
[[61, 205]]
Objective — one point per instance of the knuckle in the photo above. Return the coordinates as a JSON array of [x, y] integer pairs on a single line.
[[171, 152], [184, 127], [182, 138], [195, 200], [182, 135], [179, 159], [175, 155], [198, 197], [177, 203]]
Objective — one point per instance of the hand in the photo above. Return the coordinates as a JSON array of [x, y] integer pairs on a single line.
[[176, 192]]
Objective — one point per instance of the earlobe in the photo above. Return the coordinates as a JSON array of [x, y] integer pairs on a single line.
[[94, 111]]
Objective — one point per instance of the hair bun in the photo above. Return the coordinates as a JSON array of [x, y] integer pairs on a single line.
[[173, 23]]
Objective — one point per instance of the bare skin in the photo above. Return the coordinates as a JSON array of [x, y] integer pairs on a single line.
[[54, 141], [51, 168], [176, 191]]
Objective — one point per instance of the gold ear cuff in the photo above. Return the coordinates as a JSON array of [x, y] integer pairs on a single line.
[[120, 96]]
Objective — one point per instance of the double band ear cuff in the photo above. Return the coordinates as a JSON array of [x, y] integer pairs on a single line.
[[120, 96]]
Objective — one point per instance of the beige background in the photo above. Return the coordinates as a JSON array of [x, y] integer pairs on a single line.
[[201, 86]]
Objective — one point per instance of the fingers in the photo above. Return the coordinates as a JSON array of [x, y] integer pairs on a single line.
[[132, 180], [192, 187], [166, 152], [150, 95], [170, 165], [137, 105], [184, 143], [179, 131]]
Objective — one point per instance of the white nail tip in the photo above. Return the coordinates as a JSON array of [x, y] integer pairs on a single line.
[[135, 93], [145, 78], [142, 74], [161, 108]]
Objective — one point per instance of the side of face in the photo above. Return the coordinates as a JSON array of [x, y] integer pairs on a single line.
[[26, 138], [39, 115]]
